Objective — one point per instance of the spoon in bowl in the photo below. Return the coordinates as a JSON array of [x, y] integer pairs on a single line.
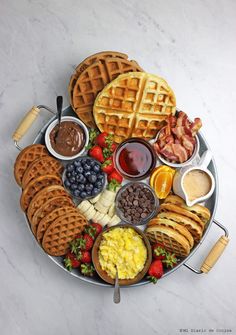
[[116, 296], [59, 112]]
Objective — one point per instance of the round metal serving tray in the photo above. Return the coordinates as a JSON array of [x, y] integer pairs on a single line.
[[211, 204]]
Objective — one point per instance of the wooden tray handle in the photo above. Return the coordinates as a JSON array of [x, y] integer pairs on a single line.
[[26, 123], [214, 254]]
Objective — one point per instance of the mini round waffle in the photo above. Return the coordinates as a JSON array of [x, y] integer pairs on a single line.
[[40, 167], [179, 210], [50, 218], [35, 186], [43, 196], [201, 211], [190, 224], [26, 157], [134, 105], [171, 239], [93, 79], [174, 225], [86, 63], [61, 232], [47, 208]]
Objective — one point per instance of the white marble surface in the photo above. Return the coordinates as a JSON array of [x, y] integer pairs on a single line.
[[191, 43]]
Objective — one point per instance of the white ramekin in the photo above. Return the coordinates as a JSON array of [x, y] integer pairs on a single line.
[[48, 142]]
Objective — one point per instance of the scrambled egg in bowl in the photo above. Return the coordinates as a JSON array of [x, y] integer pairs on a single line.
[[122, 248]]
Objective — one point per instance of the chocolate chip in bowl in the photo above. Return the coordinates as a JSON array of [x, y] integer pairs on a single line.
[[136, 203], [68, 142]]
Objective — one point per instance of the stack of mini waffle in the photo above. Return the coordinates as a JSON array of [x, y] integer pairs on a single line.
[[177, 226], [52, 215], [91, 76]]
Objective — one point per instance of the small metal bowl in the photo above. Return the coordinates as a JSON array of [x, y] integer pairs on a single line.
[[178, 165], [103, 274], [141, 221], [48, 142], [76, 182]]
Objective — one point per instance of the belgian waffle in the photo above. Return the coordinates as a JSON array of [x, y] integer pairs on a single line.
[[61, 232], [35, 186], [165, 222], [201, 211], [186, 222], [50, 218], [134, 105], [86, 63], [47, 208], [93, 79], [42, 166], [26, 157], [43, 196], [172, 240]]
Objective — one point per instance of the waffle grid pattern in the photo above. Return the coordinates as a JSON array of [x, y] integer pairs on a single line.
[[60, 233], [42, 166], [135, 104]]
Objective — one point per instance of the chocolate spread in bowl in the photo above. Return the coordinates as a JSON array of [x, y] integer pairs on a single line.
[[70, 139]]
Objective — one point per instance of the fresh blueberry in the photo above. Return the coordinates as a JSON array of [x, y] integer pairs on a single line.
[[80, 178], [92, 163], [76, 193], [89, 193], [73, 187], [96, 168], [87, 167], [98, 184], [79, 169], [67, 183], [101, 177], [83, 194], [95, 191], [87, 174], [88, 161], [68, 174], [77, 163], [83, 161], [73, 173], [89, 187], [70, 167], [81, 187], [92, 178], [72, 180]]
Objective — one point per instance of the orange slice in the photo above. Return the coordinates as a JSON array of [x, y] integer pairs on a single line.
[[157, 170], [162, 184]]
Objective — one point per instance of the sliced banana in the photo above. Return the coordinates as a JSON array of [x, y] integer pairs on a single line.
[[84, 206], [100, 217], [97, 214], [112, 210], [99, 207], [91, 213], [93, 200], [105, 220], [114, 221]]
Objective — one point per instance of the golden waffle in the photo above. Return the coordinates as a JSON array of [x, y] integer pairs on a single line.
[[44, 195], [173, 241], [134, 105], [184, 221], [26, 157], [86, 63], [60, 233], [42, 166], [50, 218], [158, 221], [92, 80], [35, 186], [179, 210], [201, 211], [47, 208]]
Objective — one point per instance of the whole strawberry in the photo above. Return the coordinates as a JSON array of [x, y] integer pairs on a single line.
[[96, 152], [94, 229], [71, 261], [86, 242], [170, 260], [84, 256], [155, 271], [158, 251], [87, 269]]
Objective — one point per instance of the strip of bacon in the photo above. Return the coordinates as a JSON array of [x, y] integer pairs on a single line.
[[168, 153], [196, 125], [189, 143], [180, 152]]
